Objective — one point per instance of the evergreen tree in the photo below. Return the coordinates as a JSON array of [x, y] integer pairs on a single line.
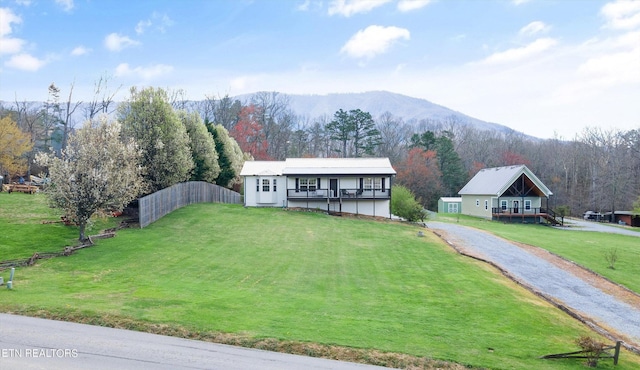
[[203, 148], [150, 120]]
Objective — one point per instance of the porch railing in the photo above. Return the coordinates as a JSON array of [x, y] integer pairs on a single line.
[[341, 194], [518, 211]]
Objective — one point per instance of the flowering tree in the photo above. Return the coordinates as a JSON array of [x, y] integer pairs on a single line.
[[97, 173]]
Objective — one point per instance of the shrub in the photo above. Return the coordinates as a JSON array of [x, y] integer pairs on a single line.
[[405, 205], [592, 349]]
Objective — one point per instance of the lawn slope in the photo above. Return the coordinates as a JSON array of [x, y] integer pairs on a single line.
[[302, 276]]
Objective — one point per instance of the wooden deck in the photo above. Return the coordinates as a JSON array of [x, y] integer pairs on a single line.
[[521, 215]]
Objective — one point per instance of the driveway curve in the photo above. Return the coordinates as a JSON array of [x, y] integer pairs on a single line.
[[605, 311]]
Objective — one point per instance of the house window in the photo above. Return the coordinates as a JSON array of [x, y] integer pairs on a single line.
[[486, 204], [372, 183], [308, 184], [257, 184], [274, 184], [527, 205], [477, 202], [503, 205], [266, 185], [368, 183]]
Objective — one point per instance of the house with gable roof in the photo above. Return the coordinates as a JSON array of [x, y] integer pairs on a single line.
[[336, 185], [509, 193]]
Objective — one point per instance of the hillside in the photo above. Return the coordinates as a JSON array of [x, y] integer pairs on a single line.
[[411, 110]]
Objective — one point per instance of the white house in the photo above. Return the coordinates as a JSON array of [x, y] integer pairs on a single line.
[[353, 185], [510, 193]]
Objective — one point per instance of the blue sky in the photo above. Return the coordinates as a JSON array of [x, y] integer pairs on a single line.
[[547, 68]]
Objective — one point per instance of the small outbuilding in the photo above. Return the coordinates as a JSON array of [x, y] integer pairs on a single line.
[[628, 218], [450, 205]]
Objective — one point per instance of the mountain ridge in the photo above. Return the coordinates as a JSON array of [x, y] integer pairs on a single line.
[[411, 110]]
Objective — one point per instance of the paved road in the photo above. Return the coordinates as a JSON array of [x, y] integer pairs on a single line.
[[545, 277], [32, 343]]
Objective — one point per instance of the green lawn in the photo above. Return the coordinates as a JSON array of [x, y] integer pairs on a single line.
[[586, 248], [300, 276], [24, 229]]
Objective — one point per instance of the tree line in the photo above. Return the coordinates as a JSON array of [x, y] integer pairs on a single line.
[[598, 170]]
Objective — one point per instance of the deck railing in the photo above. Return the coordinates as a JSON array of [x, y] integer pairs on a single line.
[[518, 211], [339, 194]]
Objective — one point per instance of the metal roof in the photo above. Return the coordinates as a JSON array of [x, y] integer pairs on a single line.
[[262, 168], [495, 181], [319, 166], [451, 199], [338, 166]]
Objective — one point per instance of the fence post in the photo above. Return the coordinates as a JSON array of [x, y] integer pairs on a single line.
[[616, 352]]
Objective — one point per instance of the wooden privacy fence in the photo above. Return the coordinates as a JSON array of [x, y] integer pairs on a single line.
[[154, 206]]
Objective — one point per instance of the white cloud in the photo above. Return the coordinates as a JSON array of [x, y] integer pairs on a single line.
[[534, 28], [142, 25], [146, 73], [6, 18], [25, 62], [519, 2], [161, 22], [622, 14], [348, 8], [115, 42], [518, 54], [80, 50], [9, 45], [66, 5], [409, 5], [373, 40]]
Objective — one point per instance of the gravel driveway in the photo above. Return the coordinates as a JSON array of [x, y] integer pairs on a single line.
[[582, 225], [563, 287]]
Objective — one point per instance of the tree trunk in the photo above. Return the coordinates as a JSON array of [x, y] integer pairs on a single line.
[[82, 226]]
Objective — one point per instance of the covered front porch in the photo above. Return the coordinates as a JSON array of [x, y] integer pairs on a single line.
[[338, 194]]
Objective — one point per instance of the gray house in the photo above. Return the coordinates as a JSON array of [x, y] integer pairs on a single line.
[[510, 193]]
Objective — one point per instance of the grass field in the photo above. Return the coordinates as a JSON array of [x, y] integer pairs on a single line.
[[307, 277], [26, 226], [585, 248]]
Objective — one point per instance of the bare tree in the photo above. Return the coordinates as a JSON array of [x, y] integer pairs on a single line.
[[102, 99], [273, 113], [30, 120], [67, 124], [395, 135]]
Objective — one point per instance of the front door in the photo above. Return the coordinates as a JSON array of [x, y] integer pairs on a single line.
[[516, 206], [333, 188]]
